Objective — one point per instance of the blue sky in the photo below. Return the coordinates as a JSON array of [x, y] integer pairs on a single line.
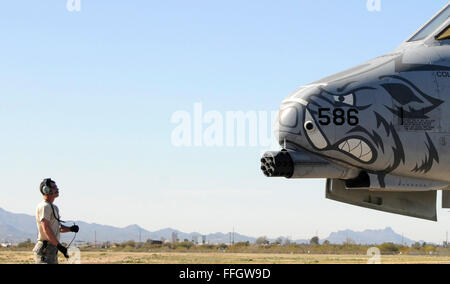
[[87, 99]]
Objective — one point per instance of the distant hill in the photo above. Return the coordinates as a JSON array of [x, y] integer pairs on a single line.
[[20, 227], [16, 226], [369, 237]]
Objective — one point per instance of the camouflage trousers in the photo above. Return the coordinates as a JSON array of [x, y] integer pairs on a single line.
[[45, 253]]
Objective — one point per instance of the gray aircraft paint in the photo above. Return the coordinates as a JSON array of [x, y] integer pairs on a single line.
[[380, 134], [401, 103]]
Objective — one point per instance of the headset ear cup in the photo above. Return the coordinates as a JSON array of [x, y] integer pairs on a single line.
[[46, 189]]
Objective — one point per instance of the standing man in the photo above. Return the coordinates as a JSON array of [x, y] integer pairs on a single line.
[[49, 226]]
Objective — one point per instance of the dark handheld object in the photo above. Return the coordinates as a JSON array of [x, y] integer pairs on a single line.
[[74, 229], [63, 250]]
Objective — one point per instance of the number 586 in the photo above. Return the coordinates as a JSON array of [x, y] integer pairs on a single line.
[[338, 117]]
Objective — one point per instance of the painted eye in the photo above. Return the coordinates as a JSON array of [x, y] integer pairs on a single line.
[[347, 99]]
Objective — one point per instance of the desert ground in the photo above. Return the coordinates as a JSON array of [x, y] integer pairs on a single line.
[[93, 257]]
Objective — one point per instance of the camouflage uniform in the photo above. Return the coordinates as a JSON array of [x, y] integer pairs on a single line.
[[45, 253]]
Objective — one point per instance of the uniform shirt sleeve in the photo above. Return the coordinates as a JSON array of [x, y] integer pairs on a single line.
[[45, 212]]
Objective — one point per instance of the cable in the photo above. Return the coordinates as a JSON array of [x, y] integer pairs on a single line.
[[74, 236]]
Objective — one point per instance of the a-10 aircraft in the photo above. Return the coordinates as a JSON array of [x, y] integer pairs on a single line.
[[379, 132]]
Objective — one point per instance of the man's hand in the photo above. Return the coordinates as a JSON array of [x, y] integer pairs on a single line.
[[63, 250], [74, 229]]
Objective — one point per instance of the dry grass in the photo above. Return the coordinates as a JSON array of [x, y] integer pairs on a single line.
[[222, 258]]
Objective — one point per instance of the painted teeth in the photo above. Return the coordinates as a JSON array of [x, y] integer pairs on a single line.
[[357, 148]]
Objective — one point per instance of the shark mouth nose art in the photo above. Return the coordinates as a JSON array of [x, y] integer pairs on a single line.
[[357, 148]]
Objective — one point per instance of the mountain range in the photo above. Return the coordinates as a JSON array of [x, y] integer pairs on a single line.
[[16, 228]]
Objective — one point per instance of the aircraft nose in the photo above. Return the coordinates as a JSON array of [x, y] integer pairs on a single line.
[[288, 117], [296, 123], [288, 127]]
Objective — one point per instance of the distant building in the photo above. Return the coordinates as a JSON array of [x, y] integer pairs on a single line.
[[173, 237], [204, 239], [197, 239]]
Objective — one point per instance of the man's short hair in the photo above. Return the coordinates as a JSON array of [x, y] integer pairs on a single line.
[[46, 182]]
